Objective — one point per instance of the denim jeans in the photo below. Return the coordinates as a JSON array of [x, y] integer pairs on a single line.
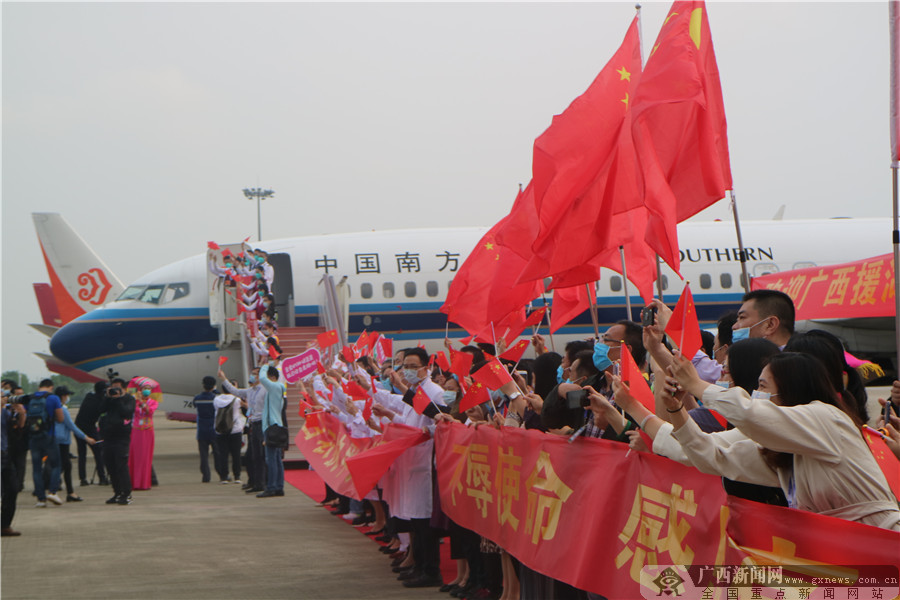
[[42, 445], [274, 470]]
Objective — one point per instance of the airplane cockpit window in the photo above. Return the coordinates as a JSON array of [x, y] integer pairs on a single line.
[[705, 281], [365, 290], [152, 294], [615, 283], [132, 292], [409, 288], [431, 288], [725, 280], [174, 291], [387, 289]]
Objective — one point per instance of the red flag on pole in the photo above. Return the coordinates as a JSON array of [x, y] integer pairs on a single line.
[[347, 353], [461, 363], [679, 130], [223, 360], [442, 361], [273, 352], [212, 245], [328, 338], [420, 400], [320, 368], [367, 409], [356, 391], [477, 394], [568, 303], [632, 375], [515, 353], [884, 457], [493, 375], [683, 328], [533, 320], [247, 239], [362, 342]]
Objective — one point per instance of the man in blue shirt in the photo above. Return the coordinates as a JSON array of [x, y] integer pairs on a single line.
[[206, 426], [272, 411], [42, 443]]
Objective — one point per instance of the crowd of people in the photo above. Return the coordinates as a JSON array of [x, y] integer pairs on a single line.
[[775, 413], [116, 427]]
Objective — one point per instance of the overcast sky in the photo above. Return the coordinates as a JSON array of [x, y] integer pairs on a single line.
[[142, 122]]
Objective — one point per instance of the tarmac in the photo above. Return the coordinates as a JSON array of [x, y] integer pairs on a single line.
[[189, 540]]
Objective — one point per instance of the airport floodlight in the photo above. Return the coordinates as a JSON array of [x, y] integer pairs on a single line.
[[259, 194]]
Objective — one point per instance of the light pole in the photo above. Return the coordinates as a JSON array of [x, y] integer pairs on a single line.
[[259, 194]]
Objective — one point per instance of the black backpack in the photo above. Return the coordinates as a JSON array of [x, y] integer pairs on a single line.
[[225, 418]]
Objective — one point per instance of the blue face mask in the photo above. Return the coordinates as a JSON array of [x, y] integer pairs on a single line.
[[251, 379], [449, 396], [145, 393], [559, 374], [744, 332], [601, 356]]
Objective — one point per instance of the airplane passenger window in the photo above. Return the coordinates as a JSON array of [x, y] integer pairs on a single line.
[[387, 290], [764, 269], [705, 281], [175, 291], [152, 294], [365, 290], [665, 282], [725, 280], [409, 288], [431, 288], [803, 265], [615, 283], [132, 292]]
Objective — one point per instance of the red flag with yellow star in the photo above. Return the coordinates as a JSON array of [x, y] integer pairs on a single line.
[[493, 375], [327, 338], [461, 363], [516, 352], [884, 457], [679, 129], [568, 303], [477, 394], [683, 328], [420, 400]]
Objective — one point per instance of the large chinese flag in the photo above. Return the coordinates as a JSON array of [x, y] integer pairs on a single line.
[[485, 289], [683, 328], [679, 128], [568, 303]]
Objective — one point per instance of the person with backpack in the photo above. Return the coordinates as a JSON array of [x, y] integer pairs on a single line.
[[44, 410], [230, 423]]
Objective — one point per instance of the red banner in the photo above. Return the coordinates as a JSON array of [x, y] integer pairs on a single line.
[[864, 288], [597, 516], [352, 466]]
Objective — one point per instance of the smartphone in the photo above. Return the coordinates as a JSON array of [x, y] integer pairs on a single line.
[[577, 399], [617, 368], [648, 316], [888, 408]]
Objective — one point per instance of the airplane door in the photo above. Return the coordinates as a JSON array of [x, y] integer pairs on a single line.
[[283, 288]]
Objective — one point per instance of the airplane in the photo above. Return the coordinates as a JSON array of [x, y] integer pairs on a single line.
[[170, 325]]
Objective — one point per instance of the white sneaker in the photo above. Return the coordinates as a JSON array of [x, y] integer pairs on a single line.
[[224, 481], [54, 499], [237, 481], [349, 516], [40, 504]]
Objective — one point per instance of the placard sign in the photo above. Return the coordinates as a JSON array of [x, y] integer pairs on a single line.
[[298, 367]]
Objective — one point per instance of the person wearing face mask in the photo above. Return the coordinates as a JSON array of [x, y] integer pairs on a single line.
[[800, 435], [116, 416], [64, 439], [140, 458], [254, 397], [765, 314], [206, 426]]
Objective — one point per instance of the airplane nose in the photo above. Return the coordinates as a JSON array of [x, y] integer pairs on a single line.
[[74, 343]]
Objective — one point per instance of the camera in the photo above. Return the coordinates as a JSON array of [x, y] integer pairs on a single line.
[[648, 316], [113, 392], [577, 399]]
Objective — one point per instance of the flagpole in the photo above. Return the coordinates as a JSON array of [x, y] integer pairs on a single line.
[[625, 283], [592, 299], [893, 18], [549, 325], [896, 239], [745, 279], [659, 282]]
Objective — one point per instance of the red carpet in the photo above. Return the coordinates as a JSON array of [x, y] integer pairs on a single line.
[[311, 484]]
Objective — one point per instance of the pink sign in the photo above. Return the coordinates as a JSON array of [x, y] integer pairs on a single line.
[[298, 367]]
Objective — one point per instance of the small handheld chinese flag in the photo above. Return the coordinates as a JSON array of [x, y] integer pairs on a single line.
[[477, 394], [533, 319], [442, 361], [273, 352], [493, 375], [683, 328], [223, 360], [636, 382], [373, 339], [226, 252], [212, 245], [884, 457], [320, 368], [367, 410], [347, 353], [362, 342], [515, 353], [328, 338], [246, 239], [420, 401], [356, 391], [461, 363]]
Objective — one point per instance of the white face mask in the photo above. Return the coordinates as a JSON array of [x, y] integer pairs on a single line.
[[411, 375], [723, 384], [758, 395]]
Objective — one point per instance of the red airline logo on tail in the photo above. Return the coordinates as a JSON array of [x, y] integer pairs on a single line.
[[94, 286]]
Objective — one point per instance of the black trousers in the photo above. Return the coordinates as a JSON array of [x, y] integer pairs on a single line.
[[256, 456], [426, 547], [204, 446], [10, 486], [229, 446], [65, 462], [97, 449], [115, 452]]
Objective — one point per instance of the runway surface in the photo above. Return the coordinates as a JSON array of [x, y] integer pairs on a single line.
[[187, 539]]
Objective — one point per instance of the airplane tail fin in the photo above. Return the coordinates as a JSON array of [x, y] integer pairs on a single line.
[[79, 279]]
